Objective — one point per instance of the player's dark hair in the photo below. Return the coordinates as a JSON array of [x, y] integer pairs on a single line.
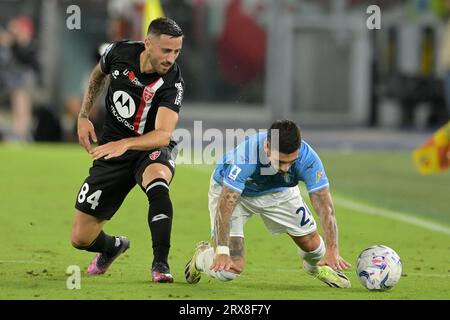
[[289, 136], [165, 26]]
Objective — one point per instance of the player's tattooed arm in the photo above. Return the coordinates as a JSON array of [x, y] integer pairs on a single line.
[[85, 128], [323, 205], [226, 204], [228, 200], [237, 253], [96, 83], [237, 247]]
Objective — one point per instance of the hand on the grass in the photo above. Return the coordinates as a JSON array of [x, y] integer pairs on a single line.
[[336, 262], [222, 262]]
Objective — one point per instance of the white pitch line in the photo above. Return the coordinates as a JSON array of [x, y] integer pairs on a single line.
[[415, 274], [404, 217], [20, 261]]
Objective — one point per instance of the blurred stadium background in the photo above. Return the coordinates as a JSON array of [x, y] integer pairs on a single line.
[[312, 61]]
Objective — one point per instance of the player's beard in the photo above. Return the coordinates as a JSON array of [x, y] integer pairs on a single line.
[[158, 66]]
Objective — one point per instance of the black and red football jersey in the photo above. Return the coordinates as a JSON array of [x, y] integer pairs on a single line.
[[133, 97]]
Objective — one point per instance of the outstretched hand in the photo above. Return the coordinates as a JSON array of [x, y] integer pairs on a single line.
[[222, 262]]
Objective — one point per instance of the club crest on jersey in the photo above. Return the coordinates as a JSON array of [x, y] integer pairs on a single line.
[[148, 94], [155, 155], [234, 172]]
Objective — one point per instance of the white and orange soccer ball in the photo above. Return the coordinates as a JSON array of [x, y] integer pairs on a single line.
[[378, 268]]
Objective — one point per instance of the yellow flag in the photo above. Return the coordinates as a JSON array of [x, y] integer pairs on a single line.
[[152, 11], [434, 155]]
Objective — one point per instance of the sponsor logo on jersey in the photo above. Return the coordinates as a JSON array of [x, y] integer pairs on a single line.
[[120, 119], [132, 77], [179, 96], [155, 155], [124, 104], [234, 172]]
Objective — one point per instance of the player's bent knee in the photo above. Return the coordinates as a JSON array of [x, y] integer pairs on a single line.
[[226, 276], [156, 171]]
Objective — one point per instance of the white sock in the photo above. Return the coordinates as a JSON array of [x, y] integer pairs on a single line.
[[310, 259], [205, 259]]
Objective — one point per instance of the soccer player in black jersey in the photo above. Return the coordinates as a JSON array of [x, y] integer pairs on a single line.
[[143, 101]]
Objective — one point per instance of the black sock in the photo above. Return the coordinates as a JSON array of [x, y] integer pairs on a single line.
[[103, 244], [160, 216]]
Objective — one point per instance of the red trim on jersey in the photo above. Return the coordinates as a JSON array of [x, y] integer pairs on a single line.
[[137, 119]]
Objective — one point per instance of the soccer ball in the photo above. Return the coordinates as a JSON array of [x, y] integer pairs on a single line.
[[378, 268]]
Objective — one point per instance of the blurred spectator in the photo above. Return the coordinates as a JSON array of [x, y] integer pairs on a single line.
[[445, 60], [19, 70], [241, 60], [124, 20]]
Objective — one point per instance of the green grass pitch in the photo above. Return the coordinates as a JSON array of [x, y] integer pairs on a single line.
[[38, 187]]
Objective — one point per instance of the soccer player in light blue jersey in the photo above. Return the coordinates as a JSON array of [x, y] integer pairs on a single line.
[[261, 176]]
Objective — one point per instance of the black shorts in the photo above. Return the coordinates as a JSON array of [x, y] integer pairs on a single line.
[[109, 181]]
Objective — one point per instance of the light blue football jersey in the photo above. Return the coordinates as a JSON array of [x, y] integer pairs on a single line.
[[247, 170]]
